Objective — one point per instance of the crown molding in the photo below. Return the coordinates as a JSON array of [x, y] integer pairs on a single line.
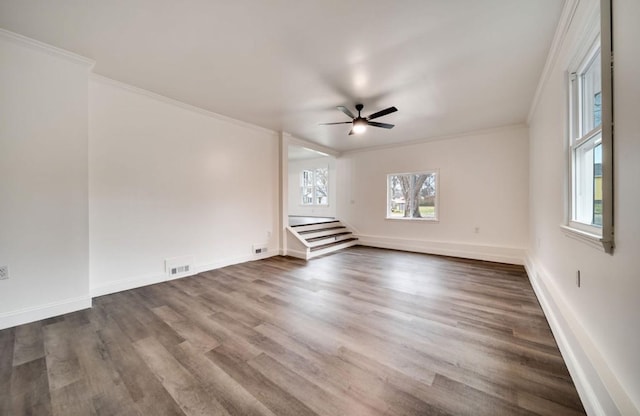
[[171, 101], [493, 130], [45, 47], [568, 12], [290, 139]]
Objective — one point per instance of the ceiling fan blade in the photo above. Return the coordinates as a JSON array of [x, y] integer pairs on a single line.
[[351, 132], [346, 111], [382, 113], [329, 124], [383, 125]]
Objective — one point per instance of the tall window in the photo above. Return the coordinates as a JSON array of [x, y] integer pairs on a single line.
[[586, 143], [412, 195], [315, 186]]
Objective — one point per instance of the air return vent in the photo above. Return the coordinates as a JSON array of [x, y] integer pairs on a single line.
[[260, 248], [179, 270], [179, 266]]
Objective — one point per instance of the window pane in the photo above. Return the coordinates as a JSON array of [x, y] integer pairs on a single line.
[[322, 186], [307, 178], [307, 195], [396, 203], [591, 96], [588, 182], [412, 196], [427, 197], [597, 185]]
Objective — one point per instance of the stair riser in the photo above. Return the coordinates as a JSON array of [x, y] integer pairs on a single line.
[[322, 233], [332, 249]]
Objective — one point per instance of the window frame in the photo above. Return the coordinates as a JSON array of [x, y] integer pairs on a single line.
[[598, 41], [313, 187], [436, 204], [578, 138]]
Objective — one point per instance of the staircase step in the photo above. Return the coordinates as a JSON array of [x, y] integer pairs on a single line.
[[307, 241], [328, 236], [315, 230], [335, 243], [320, 241], [314, 223], [323, 233]]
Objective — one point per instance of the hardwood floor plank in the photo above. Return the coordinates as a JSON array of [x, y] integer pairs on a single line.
[[320, 401], [361, 332], [342, 378], [7, 342], [231, 395], [186, 329], [541, 406], [29, 343], [30, 389], [143, 387], [109, 395], [73, 399], [63, 367], [276, 399], [180, 383]]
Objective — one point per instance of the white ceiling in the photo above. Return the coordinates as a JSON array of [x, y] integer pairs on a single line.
[[450, 66]]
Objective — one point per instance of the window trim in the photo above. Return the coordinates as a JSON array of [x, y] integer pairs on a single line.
[[436, 204], [601, 237]]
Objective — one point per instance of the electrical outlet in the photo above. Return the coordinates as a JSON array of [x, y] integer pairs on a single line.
[[4, 272], [578, 278], [476, 230]]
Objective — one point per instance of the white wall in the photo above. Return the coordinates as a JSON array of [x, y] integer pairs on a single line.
[[43, 181], [483, 183], [597, 324], [295, 190], [169, 180]]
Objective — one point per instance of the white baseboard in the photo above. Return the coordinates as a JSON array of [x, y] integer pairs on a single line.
[[126, 284], [237, 260], [296, 253], [468, 251], [49, 310], [599, 389], [135, 282]]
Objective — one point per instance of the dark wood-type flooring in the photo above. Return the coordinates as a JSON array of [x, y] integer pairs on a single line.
[[361, 332]]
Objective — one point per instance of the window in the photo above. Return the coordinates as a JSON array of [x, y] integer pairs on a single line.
[[590, 142], [586, 144], [315, 186], [412, 195]]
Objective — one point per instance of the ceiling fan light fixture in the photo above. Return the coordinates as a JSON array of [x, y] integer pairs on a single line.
[[359, 126]]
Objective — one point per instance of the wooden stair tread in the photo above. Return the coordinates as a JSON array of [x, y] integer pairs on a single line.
[[314, 223], [333, 243], [324, 237], [321, 229]]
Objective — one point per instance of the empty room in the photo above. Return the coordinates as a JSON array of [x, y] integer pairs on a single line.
[[319, 207]]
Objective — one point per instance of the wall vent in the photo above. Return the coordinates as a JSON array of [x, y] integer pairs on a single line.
[[179, 270], [179, 266], [259, 248]]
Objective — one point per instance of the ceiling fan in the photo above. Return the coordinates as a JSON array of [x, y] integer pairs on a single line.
[[359, 123]]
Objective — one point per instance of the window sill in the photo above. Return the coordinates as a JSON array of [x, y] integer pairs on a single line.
[[412, 219], [590, 239]]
